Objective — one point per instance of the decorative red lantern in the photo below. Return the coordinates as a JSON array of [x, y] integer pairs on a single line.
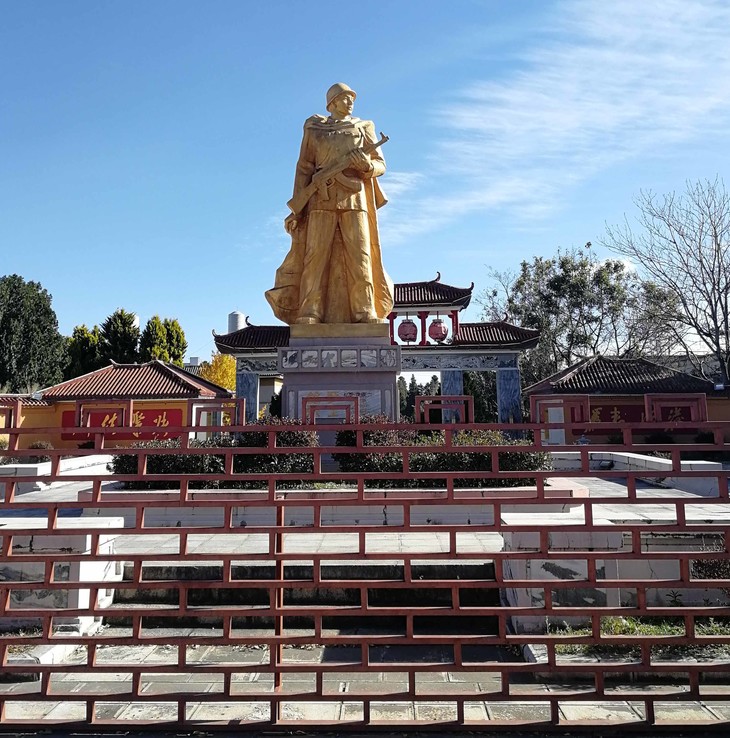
[[407, 331], [438, 330]]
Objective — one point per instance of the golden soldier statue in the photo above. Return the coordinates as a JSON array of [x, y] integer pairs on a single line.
[[333, 272]]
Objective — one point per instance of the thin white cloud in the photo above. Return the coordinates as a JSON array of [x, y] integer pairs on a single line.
[[268, 241], [613, 81], [401, 183]]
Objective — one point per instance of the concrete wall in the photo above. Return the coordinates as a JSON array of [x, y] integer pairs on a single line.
[[28, 537], [92, 464]]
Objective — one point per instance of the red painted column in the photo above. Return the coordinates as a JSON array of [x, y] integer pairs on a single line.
[[454, 315], [391, 321], [422, 314]]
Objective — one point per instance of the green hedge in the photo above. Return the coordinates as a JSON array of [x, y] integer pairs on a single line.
[[438, 462], [37, 459], [214, 463]]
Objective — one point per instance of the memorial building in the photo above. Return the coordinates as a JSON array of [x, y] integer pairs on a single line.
[[423, 328]]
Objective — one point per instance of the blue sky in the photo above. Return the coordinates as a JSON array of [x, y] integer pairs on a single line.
[[147, 148]]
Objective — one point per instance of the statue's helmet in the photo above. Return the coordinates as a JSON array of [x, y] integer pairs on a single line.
[[337, 89]]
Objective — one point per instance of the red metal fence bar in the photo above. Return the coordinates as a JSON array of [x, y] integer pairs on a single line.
[[256, 582]]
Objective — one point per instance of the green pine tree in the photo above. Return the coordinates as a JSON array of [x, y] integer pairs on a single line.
[[153, 342], [120, 337], [32, 351], [176, 343], [84, 352]]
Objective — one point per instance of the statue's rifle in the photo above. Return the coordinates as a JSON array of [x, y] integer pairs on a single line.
[[322, 178]]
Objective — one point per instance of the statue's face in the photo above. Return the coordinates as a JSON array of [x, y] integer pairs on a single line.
[[342, 105]]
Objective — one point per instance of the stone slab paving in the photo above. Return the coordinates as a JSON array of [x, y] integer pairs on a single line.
[[433, 705]]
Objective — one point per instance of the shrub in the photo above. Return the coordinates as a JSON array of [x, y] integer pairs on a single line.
[[380, 436], [172, 464], [430, 461], [713, 568], [39, 459], [214, 463], [710, 455], [34, 459], [275, 463]]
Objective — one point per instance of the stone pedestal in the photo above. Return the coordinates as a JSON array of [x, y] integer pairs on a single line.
[[328, 362]]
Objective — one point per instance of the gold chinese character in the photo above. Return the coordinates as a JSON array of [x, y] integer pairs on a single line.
[[675, 414], [615, 414], [137, 422], [596, 415], [161, 420], [109, 421]]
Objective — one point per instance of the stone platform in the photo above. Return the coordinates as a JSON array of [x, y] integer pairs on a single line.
[[336, 371]]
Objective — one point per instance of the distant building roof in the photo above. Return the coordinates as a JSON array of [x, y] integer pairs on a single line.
[[416, 295], [602, 375], [153, 380], [495, 335], [262, 337]]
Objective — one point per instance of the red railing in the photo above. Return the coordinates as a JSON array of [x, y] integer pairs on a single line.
[[411, 593]]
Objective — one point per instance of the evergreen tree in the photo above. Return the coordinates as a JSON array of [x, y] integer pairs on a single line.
[[32, 351], [84, 352], [176, 343], [482, 386], [432, 387], [413, 391], [153, 342], [402, 395], [120, 337], [582, 306]]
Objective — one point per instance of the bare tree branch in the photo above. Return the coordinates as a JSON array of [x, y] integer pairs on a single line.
[[683, 245]]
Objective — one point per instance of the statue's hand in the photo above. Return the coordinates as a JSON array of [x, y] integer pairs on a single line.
[[290, 223], [360, 161]]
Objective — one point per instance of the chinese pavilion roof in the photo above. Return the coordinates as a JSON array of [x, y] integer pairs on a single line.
[[153, 380], [416, 295], [261, 337], [602, 375], [499, 334]]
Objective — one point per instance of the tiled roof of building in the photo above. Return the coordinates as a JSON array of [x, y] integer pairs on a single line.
[[27, 400], [415, 295], [602, 375], [498, 334], [253, 337], [153, 380]]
